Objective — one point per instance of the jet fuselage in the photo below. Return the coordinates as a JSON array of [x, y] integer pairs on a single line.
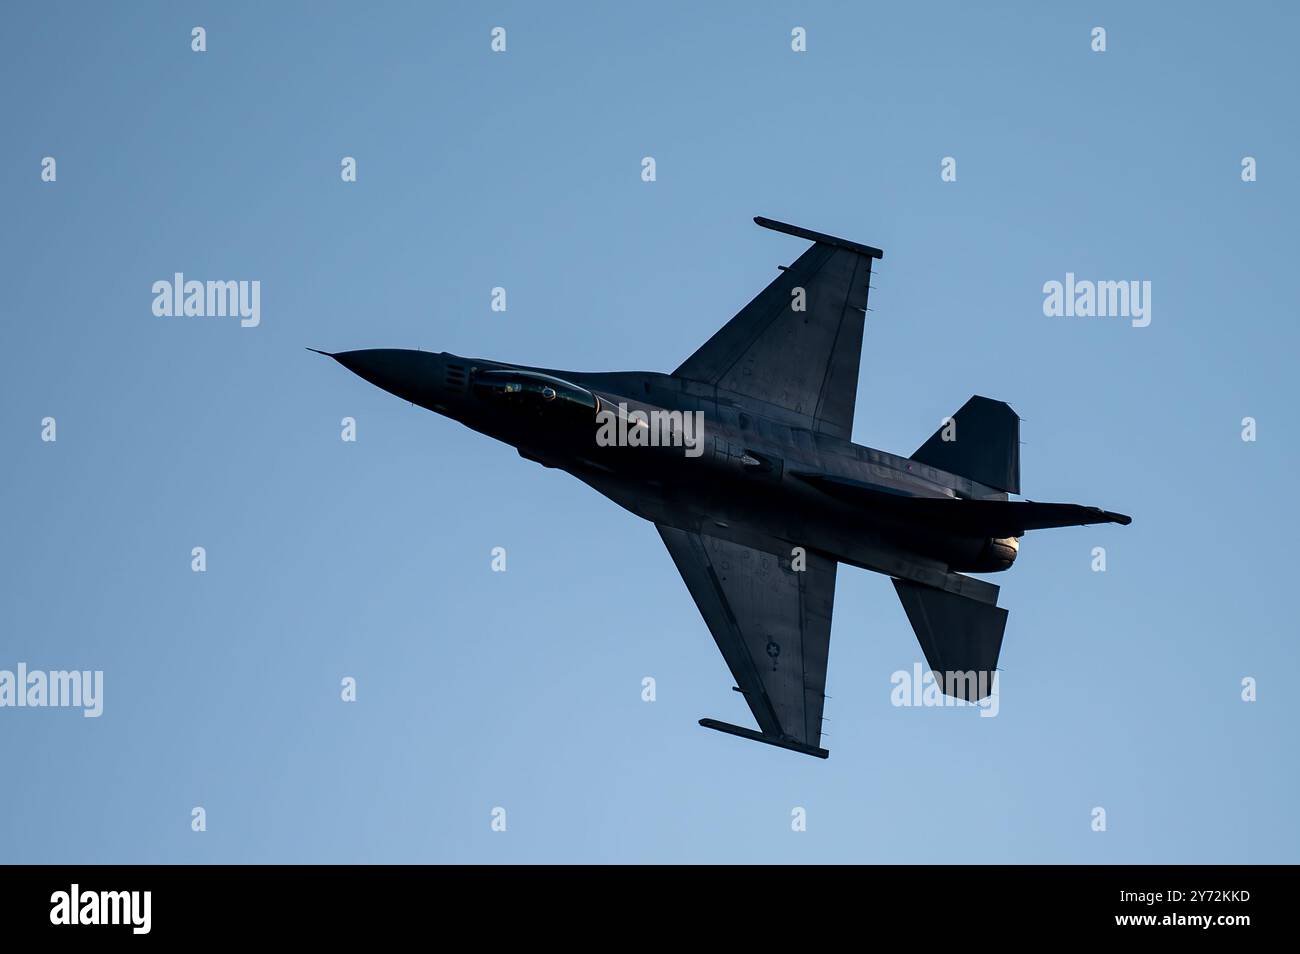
[[744, 476], [743, 460]]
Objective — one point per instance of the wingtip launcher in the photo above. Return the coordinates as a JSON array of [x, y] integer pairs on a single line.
[[822, 237], [744, 733]]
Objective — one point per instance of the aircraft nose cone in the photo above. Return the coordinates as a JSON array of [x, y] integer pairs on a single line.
[[411, 375]]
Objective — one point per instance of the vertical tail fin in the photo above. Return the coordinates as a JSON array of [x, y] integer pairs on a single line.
[[981, 441]]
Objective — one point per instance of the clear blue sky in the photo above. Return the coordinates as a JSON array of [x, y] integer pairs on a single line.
[[522, 690]]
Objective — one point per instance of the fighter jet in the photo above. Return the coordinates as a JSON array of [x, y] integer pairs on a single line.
[[743, 460]]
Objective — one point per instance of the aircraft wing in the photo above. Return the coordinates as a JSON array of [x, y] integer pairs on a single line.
[[803, 360], [773, 626]]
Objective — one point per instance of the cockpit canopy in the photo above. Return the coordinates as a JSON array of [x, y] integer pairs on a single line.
[[534, 391]]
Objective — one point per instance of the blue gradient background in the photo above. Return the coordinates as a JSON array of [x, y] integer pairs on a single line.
[[477, 689]]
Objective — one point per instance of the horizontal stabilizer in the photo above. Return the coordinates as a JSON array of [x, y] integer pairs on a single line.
[[981, 441], [979, 518], [961, 638]]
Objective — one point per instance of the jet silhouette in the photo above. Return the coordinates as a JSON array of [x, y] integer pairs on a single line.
[[743, 460]]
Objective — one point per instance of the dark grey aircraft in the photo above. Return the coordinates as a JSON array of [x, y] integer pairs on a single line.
[[742, 459]]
